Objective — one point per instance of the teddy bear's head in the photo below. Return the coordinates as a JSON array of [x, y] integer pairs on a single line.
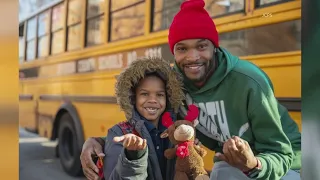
[[181, 130]]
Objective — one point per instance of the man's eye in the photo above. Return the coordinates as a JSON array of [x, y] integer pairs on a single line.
[[202, 46], [181, 49]]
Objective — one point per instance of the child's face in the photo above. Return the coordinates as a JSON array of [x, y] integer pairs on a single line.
[[151, 98]]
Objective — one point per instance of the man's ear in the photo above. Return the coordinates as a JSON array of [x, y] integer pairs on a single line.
[[165, 134]]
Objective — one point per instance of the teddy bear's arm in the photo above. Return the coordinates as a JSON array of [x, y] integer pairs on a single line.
[[170, 153], [202, 152]]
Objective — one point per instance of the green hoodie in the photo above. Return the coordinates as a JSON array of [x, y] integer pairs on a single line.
[[238, 99]]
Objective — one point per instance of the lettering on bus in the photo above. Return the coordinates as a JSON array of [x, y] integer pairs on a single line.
[[114, 61], [153, 52], [66, 68], [86, 65], [131, 56]]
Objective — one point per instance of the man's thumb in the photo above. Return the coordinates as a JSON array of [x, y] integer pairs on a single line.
[[98, 152], [118, 138]]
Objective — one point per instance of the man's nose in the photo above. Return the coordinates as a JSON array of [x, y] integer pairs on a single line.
[[193, 55]]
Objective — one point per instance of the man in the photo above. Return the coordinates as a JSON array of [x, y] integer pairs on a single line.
[[240, 119]]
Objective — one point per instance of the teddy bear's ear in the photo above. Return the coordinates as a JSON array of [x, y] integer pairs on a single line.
[[192, 114], [164, 134], [167, 120]]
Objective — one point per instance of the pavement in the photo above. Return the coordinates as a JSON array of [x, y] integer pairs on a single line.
[[37, 160]]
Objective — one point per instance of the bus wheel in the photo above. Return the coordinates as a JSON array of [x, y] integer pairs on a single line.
[[68, 147]]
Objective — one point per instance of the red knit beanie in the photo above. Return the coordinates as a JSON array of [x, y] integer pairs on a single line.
[[192, 22]]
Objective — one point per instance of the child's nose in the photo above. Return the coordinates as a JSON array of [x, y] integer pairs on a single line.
[[152, 99]]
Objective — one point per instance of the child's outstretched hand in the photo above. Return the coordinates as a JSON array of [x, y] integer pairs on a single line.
[[131, 142]]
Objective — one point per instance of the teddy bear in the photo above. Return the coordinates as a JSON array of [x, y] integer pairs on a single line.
[[189, 161]]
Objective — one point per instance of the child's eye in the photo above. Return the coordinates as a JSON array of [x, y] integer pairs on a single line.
[[161, 95], [144, 94]]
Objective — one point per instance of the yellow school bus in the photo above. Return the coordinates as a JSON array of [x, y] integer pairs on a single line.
[[71, 52]]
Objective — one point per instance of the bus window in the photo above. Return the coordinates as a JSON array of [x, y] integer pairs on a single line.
[[259, 3], [74, 34], [57, 17], [128, 20], [43, 48], [95, 22], [95, 7], [31, 39], [274, 38], [223, 7], [57, 43], [21, 43], [116, 4], [74, 26], [74, 11], [163, 12], [43, 32], [95, 31]]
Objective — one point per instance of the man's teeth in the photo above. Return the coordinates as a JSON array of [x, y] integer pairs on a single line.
[[194, 66]]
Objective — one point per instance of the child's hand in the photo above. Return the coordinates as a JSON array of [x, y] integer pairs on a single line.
[[131, 142]]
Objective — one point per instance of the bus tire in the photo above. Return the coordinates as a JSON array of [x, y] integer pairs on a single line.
[[68, 148]]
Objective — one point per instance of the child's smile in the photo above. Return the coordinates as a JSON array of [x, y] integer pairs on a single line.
[[152, 110]]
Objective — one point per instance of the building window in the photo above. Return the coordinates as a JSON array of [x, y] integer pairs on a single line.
[[74, 22], [127, 19], [57, 20], [95, 22]]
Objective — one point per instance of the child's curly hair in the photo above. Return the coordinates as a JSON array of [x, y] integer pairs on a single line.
[[141, 68]]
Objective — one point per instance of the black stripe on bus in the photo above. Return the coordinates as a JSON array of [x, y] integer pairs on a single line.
[[292, 104], [25, 97], [89, 99]]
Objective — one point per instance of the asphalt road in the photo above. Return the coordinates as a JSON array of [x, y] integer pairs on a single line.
[[37, 159]]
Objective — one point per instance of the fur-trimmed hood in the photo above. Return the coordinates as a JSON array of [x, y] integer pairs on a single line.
[[131, 76]]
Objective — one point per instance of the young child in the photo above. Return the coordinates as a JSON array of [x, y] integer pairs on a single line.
[[134, 149]]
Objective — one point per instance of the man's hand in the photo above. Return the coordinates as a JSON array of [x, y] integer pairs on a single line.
[[91, 147], [238, 153], [131, 142]]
